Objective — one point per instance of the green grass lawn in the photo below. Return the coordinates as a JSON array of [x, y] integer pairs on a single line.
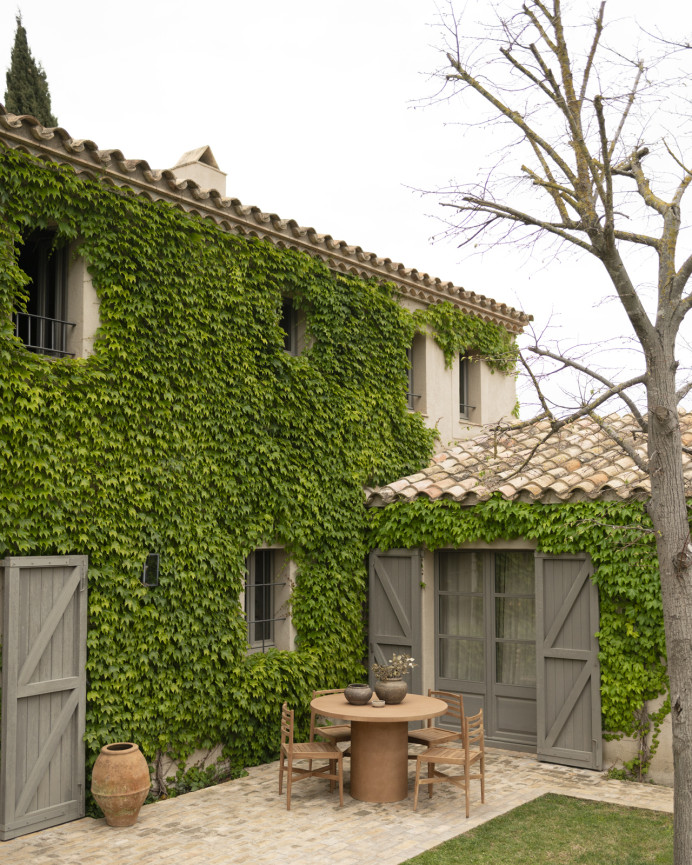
[[560, 830]]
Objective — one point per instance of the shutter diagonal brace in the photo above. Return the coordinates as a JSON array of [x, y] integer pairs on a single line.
[[49, 627], [566, 606], [49, 746], [397, 607], [569, 704]]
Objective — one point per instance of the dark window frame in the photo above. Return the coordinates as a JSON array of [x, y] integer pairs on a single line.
[[415, 374], [289, 324], [42, 325], [260, 599], [465, 408]]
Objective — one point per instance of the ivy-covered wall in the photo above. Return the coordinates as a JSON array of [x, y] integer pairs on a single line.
[[191, 432], [619, 538]]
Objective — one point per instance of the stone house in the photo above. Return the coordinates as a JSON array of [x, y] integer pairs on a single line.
[[195, 393]]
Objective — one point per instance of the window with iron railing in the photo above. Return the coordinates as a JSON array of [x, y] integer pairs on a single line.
[[464, 408], [42, 326], [415, 394], [264, 590]]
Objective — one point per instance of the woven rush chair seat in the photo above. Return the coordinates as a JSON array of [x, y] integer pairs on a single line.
[[331, 732], [433, 735], [333, 771], [468, 756]]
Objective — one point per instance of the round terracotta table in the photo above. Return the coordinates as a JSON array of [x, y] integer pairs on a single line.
[[379, 742]]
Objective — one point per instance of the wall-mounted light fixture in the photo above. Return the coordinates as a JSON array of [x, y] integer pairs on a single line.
[[150, 571]]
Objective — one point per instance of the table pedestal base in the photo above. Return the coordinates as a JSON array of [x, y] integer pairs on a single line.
[[379, 761]]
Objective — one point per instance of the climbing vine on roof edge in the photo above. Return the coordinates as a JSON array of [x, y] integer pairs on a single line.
[[458, 333], [191, 432]]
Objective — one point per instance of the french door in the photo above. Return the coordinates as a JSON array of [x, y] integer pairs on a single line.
[[485, 626]]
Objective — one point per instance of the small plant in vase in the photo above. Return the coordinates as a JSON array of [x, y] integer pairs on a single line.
[[390, 686]]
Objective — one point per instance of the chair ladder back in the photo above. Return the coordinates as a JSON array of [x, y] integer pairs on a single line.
[[473, 731], [287, 727], [455, 706]]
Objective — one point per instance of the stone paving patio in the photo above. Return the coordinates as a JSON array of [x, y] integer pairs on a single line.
[[246, 820]]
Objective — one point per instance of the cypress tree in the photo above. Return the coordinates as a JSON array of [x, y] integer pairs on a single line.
[[27, 86]]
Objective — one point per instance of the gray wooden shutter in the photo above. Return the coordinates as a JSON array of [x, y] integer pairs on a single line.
[[568, 675], [43, 692], [395, 608]]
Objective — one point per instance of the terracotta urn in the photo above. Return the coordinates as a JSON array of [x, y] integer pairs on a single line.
[[392, 691], [120, 782], [358, 694]]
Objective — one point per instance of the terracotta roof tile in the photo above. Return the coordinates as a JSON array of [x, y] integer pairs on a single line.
[[446, 483], [433, 492], [580, 462]]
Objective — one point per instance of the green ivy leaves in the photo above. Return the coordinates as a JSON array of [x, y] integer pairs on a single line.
[[458, 333], [191, 432]]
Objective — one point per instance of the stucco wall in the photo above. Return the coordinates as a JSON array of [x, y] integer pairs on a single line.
[[492, 395], [661, 771], [82, 306]]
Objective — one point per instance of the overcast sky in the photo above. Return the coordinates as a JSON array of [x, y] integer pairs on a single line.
[[315, 109]]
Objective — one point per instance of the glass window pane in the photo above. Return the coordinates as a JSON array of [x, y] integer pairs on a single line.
[[463, 386], [461, 572], [516, 664], [289, 325], [260, 603], [461, 615], [515, 618], [515, 573], [462, 660]]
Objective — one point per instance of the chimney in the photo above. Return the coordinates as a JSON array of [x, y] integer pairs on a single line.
[[199, 165]]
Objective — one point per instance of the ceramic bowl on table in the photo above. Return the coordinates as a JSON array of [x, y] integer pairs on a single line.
[[358, 694]]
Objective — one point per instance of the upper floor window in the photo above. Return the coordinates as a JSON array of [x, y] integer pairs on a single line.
[[43, 326], [410, 395], [415, 394], [289, 325], [464, 408]]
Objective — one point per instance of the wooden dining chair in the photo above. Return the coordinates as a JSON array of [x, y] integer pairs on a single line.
[[473, 752], [433, 735], [331, 732], [291, 751]]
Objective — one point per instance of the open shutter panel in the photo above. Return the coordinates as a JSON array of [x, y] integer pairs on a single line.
[[43, 693], [395, 608], [568, 675]]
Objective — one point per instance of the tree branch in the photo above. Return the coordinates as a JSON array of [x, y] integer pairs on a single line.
[[609, 226], [638, 460], [625, 113], [613, 389], [592, 53], [478, 205], [551, 94], [539, 392], [507, 112], [537, 24], [643, 186], [682, 392]]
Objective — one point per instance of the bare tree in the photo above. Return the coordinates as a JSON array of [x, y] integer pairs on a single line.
[[594, 183]]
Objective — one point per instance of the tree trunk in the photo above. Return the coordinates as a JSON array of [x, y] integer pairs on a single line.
[[668, 511]]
